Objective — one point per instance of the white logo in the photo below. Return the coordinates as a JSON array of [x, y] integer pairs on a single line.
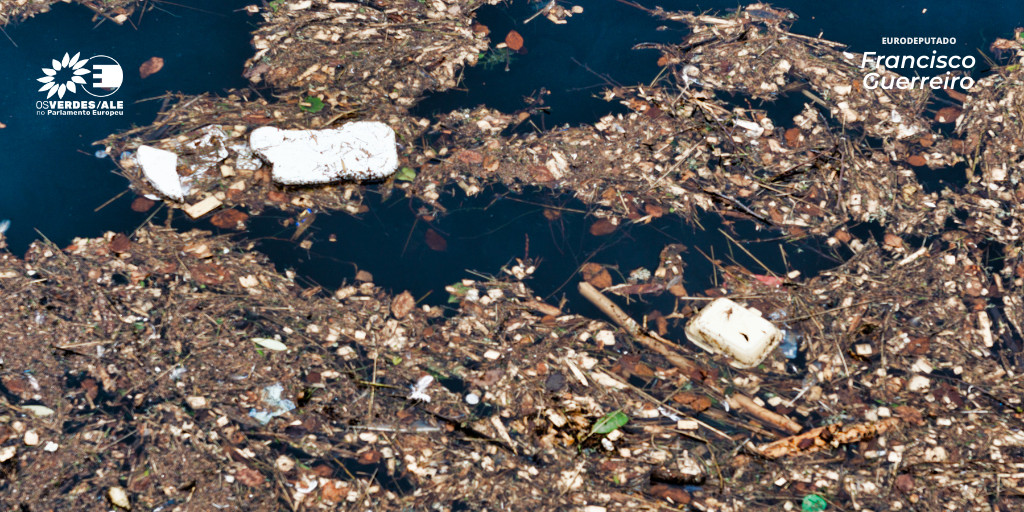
[[63, 76]]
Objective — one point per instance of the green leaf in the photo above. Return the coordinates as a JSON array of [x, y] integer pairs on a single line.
[[609, 423], [814, 503], [311, 104], [270, 344], [405, 174]]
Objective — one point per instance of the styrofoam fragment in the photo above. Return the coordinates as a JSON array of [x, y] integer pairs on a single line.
[[160, 168], [362, 150]]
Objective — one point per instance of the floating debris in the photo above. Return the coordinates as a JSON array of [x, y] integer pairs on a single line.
[[275, 405], [727, 328], [356, 151]]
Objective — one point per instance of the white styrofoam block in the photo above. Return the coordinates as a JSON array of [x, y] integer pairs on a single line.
[[160, 168], [727, 328], [362, 150]]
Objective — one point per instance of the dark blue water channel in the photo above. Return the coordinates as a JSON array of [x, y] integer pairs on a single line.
[[575, 61], [51, 181]]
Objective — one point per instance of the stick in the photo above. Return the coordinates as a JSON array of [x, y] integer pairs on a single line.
[[543, 10], [100, 207], [740, 401], [623, 320]]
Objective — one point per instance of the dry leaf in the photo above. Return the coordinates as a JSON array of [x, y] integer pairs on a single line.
[[470, 157], [436, 241], [250, 477], [402, 304], [602, 227], [916, 160], [228, 219], [596, 275], [364, 276], [480, 28], [947, 114], [956, 95], [793, 136], [208, 274], [120, 244], [142, 204], [676, 494], [541, 174], [151, 66], [514, 40]]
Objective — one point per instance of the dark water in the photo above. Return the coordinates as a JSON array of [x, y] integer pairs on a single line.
[[51, 180], [488, 231], [576, 60]]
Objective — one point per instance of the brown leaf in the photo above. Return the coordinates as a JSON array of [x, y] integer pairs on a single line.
[[491, 164], [198, 249], [540, 174], [696, 402], [956, 95], [659, 321], [672, 493], [918, 346], [208, 274], [678, 290], [334, 492], [480, 28], [229, 219], [370, 457], [151, 66], [947, 114], [926, 141], [488, 378], [277, 197], [250, 477], [551, 214], [402, 305], [893, 241], [905, 483], [843, 237], [16, 385], [364, 276], [654, 210], [910, 415], [467, 156], [140, 484], [436, 241], [596, 275], [514, 40], [142, 204], [602, 227], [120, 243], [793, 136], [916, 160]]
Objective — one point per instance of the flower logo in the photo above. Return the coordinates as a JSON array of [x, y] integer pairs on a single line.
[[50, 82]]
